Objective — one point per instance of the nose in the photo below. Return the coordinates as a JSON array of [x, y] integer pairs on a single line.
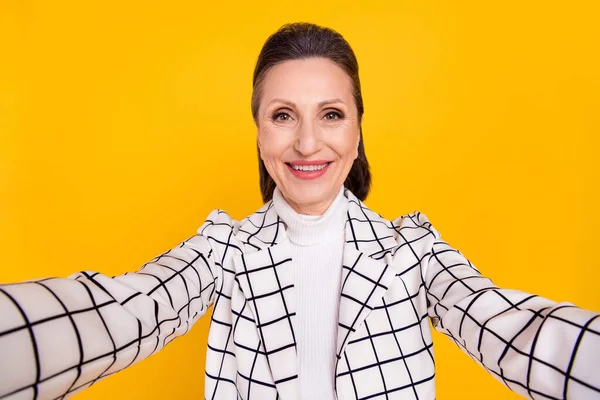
[[307, 139]]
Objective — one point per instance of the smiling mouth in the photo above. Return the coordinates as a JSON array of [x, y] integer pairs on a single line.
[[309, 168]]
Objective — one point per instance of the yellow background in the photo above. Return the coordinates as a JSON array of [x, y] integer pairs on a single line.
[[123, 123]]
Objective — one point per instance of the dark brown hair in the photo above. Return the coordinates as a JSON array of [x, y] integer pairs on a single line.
[[304, 40]]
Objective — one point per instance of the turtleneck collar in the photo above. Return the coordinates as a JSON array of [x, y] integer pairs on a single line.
[[307, 230]]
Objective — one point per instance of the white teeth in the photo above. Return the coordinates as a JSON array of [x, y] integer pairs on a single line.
[[307, 168]]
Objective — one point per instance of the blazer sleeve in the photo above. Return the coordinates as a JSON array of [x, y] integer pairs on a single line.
[[536, 347], [59, 336]]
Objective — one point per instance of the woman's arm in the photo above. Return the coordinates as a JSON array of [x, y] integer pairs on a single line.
[[538, 348], [59, 336]]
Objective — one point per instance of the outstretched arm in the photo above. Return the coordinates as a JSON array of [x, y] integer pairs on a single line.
[[538, 348], [59, 336]]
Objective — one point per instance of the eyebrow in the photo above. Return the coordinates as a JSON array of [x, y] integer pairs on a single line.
[[321, 104]]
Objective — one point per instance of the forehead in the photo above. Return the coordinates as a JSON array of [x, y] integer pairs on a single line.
[[306, 80]]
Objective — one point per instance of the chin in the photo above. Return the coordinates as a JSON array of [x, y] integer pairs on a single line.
[[307, 194]]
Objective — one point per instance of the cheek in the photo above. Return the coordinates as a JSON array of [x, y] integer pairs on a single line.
[[265, 143], [346, 142], [271, 143]]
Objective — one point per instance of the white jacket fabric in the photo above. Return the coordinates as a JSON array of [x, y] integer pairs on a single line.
[[59, 336]]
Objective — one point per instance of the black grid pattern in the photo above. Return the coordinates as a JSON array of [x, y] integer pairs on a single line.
[[388, 352], [59, 336], [538, 348]]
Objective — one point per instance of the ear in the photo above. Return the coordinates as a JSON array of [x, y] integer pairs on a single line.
[[356, 148], [259, 147], [358, 137], [257, 132]]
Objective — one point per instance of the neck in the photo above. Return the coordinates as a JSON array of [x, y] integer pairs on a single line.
[[312, 209], [307, 229]]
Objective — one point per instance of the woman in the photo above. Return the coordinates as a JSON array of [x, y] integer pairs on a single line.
[[315, 296]]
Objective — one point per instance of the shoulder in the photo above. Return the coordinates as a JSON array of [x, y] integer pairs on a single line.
[[381, 238], [260, 229], [360, 213], [415, 220], [217, 223], [407, 237]]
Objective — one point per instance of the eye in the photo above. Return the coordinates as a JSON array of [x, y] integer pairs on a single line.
[[333, 115], [281, 116]]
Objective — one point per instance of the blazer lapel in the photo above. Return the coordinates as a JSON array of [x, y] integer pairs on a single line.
[[266, 277], [367, 271]]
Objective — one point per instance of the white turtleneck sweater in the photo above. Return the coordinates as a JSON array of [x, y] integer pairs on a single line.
[[317, 243]]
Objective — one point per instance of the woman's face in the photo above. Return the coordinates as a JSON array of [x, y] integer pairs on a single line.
[[308, 131]]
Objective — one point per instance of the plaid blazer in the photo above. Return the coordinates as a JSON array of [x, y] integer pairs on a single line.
[[59, 336]]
